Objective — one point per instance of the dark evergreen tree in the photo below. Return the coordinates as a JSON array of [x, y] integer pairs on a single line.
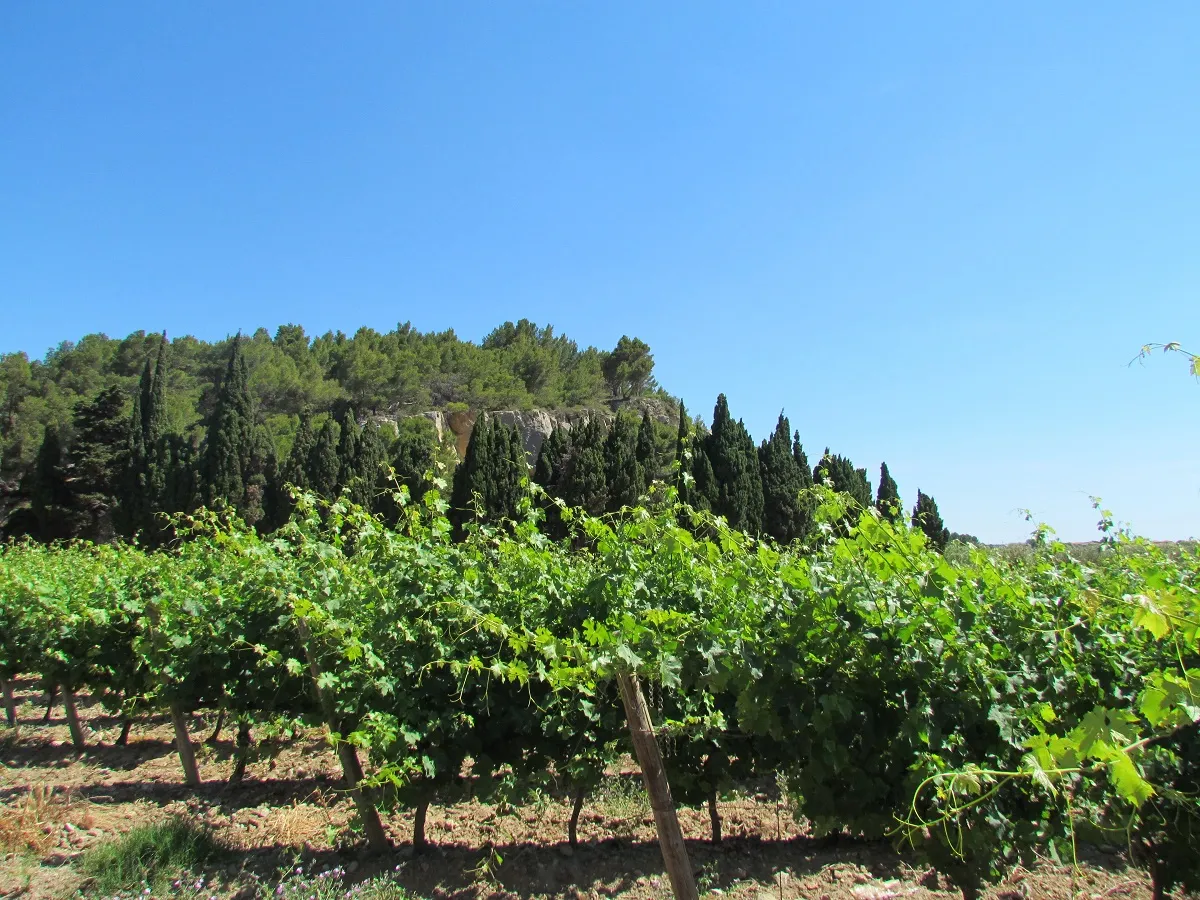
[[323, 465], [584, 484], [887, 498], [49, 494], [734, 460], [98, 462], [368, 465], [549, 471], [552, 457], [490, 480], [703, 491], [846, 479], [647, 452], [230, 447], [925, 516], [412, 459], [622, 475], [682, 463], [472, 478], [182, 483], [784, 516], [348, 434], [143, 493], [295, 470]]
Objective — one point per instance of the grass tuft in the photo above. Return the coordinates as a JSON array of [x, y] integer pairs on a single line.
[[150, 855]]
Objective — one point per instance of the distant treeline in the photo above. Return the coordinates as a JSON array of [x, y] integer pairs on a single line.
[[92, 451]]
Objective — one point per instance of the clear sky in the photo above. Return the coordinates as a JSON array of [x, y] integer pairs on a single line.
[[933, 233]]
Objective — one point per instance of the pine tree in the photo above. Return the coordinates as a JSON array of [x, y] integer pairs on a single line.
[[98, 461], [887, 498], [734, 460], [783, 513], [230, 445], [647, 452], [622, 474], [49, 494], [925, 516], [323, 466], [584, 484]]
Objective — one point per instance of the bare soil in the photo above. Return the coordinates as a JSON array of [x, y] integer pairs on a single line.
[[290, 809]]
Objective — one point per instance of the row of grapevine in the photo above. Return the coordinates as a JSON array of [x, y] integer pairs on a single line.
[[979, 713]]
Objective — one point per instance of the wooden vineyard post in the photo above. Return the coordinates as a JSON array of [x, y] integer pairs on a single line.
[[77, 737], [183, 743], [670, 836], [10, 705], [377, 838]]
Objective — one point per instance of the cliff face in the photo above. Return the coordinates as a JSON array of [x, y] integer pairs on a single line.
[[534, 426]]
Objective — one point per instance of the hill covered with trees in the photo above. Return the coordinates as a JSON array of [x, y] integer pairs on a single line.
[[101, 437]]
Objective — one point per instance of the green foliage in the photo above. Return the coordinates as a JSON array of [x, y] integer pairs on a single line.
[[152, 855], [230, 461], [51, 500], [628, 368], [98, 461], [983, 711]]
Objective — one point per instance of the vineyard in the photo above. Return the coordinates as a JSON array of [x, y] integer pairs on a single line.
[[980, 714]]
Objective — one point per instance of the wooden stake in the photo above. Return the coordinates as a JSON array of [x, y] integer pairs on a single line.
[[670, 836], [77, 733], [573, 828], [10, 705], [183, 743], [377, 839]]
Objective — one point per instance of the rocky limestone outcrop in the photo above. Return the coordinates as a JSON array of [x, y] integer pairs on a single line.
[[535, 425]]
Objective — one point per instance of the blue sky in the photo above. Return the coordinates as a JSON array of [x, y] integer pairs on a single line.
[[933, 233]]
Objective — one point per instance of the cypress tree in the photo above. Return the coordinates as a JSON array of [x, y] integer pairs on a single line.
[[887, 498], [681, 447], [295, 470], [552, 456], [845, 479], [646, 452], [348, 436], [925, 516], [548, 472], [584, 483], [468, 497], [182, 482], [49, 494], [622, 474], [491, 474], [98, 461], [412, 457], [512, 473], [147, 458], [230, 445], [807, 503], [704, 488], [734, 460], [368, 463], [323, 467], [783, 513]]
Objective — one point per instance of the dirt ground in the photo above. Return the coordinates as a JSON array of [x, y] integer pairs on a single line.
[[55, 803]]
